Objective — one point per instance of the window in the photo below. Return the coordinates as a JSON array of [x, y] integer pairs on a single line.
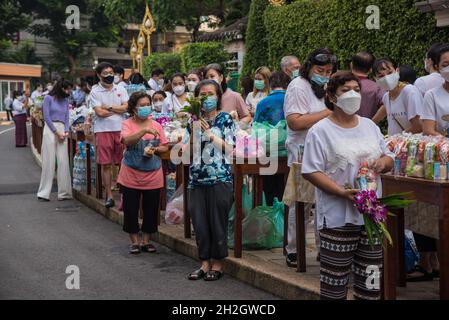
[[6, 89]]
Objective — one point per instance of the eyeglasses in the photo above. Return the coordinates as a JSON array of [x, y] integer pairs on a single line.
[[325, 58]]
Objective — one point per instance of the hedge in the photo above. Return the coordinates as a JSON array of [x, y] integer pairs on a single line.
[[200, 54], [404, 35], [256, 40], [169, 62]]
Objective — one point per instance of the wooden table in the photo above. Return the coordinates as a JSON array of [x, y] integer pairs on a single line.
[[433, 192]]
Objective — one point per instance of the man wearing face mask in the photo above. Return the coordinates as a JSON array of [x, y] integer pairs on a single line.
[[291, 66], [303, 107], [433, 79], [335, 148], [403, 103], [156, 82], [110, 103]]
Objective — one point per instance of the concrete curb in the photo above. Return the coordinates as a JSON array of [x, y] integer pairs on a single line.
[[250, 269]]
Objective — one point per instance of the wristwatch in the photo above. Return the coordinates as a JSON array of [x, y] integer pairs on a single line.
[[110, 109]]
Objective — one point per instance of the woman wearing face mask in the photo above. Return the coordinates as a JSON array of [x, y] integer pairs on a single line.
[[177, 99], [54, 143], [19, 112], [436, 101], [402, 102], [210, 182], [334, 150], [194, 77], [303, 107], [232, 102], [433, 79], [159, 102], [141, 175], [261, 88]]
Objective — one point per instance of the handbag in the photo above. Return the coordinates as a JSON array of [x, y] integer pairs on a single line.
[[135, 157]]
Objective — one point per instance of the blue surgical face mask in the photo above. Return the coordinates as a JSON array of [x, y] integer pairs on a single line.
[[319, 80], [144, 112], [259, 84], [210, 104], [295, 74]]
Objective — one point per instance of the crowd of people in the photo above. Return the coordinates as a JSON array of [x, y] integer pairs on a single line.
[[332, 118]]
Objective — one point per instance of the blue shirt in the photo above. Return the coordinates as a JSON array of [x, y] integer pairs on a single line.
[[210, 165], [271, 108]]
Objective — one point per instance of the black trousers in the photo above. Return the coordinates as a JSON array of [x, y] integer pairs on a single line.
[[273, 187], [209, 209], [131, 206]]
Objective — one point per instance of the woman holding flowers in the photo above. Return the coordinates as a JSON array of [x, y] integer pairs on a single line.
[[335, 150], [210, 180]]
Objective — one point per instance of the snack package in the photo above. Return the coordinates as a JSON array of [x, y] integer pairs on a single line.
[[366, 177], [411, 157], [418, 171], [429, 159]]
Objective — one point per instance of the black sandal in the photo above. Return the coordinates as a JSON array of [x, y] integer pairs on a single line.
[[148, 248], [197, 274], [426, 276], [134, 249], [213, 275]]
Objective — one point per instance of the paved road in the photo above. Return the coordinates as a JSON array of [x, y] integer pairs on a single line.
[[39, 240]]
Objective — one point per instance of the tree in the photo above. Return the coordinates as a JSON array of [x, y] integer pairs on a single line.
[[171, 13], [256, 43], [70, 44]]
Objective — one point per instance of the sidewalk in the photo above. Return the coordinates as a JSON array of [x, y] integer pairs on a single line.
[[264, 269]]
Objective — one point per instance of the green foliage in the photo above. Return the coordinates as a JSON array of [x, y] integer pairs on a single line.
[[404, 35], [26, 54], [200, 54], [256, 43], [169, 62]]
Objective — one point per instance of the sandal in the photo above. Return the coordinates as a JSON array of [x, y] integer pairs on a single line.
[[426, 276], [134, 249], [197, 274], [148, 248], [213, 275]]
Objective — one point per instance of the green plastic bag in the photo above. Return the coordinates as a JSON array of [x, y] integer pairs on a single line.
[[262, 227], [262, 132]]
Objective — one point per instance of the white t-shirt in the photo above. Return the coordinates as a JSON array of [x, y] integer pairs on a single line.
[[17, 108], [252, 100], [404, 108], [111, 97], [436, 105], [429, 82], [154, 85], [173, 103], [299, 99], [338, 152]]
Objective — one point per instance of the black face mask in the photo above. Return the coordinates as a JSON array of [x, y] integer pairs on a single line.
[[108, 80]]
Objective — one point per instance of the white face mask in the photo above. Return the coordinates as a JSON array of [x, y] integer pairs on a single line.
[[116, 79], [389, 82], [157, 106], [179, 90], [349, 102], [191, 85], [445, 73]]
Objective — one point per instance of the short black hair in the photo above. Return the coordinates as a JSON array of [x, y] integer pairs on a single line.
[[134, 99], [407, 74], [381, 63], [16, 93], [161, 92], [433, 52], [337, 80], [103, 65], [441, 50], [279, 79], [136, 78], [157, 72], [119, 70], [363, 61]]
